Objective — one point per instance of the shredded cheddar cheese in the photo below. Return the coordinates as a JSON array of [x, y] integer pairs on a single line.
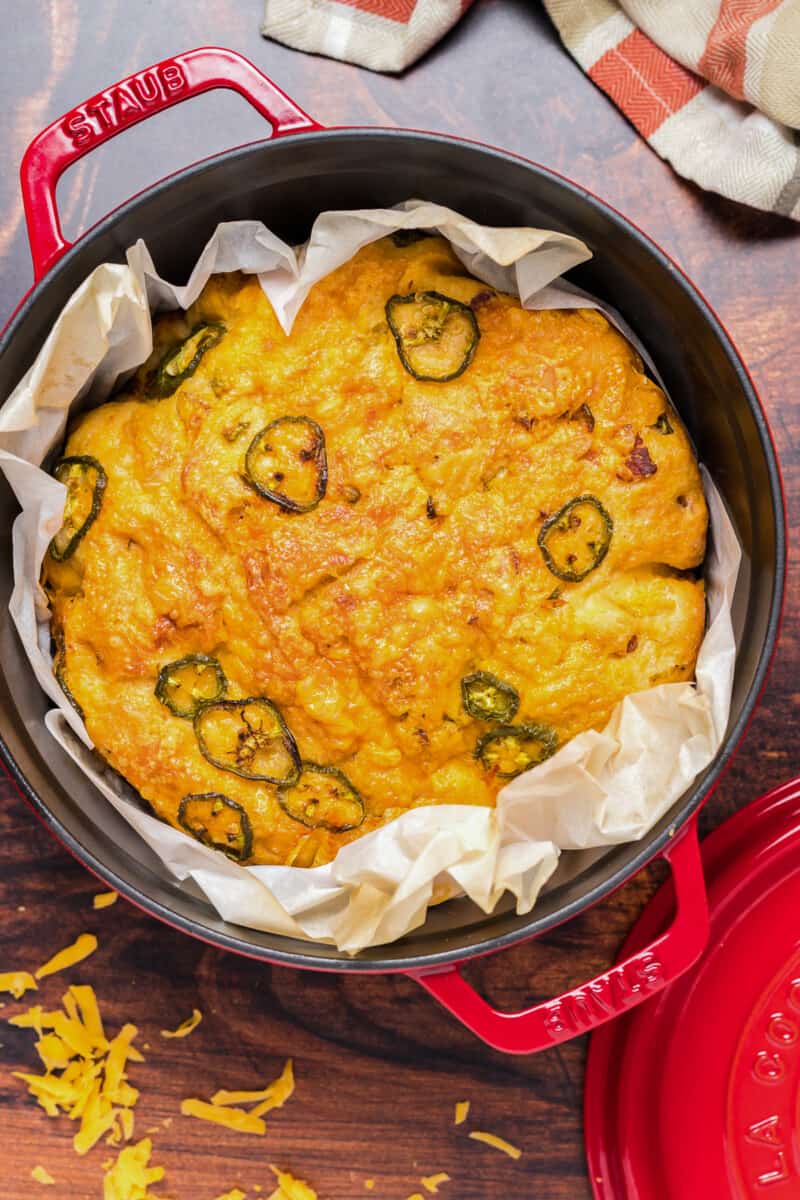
[[130, 1176], [185, 1027], [104, 899], [231, 1118], [34, 1018], [224, 1097], [274, 1095], [278, 1092], [491, 1139], [17, 983], [290, 1188], [80, 949], [85, 1075], [431, 1182], [369, 1184], [85, 1078], [86, 1001], [462, 1112], [54, 1053]]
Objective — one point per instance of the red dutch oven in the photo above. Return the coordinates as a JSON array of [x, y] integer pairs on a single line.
[[299, 170]]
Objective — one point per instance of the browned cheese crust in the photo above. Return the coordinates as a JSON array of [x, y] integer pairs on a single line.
[[423, 562]]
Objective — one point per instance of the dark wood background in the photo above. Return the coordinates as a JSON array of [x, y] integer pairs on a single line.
[[379, 1066]]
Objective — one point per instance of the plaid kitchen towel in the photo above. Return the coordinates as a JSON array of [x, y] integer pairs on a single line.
[[384, 35], [714, 85]]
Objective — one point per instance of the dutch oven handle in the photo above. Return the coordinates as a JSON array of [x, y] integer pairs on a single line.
[[625, 985], [124, 104]]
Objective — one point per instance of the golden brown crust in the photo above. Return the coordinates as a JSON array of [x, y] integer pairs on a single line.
[[420, 565]]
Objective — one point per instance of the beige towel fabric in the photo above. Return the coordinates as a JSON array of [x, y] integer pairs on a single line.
[[384, 35], [713, 85]]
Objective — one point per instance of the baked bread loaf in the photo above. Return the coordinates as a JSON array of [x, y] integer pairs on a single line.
[[394, 559]]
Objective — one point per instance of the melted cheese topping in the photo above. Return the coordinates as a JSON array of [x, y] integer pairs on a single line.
[[420, 565]]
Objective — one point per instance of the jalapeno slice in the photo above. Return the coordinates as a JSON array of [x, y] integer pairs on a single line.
[[436, 336], [217, 822], [407, 237], [488, 698], [286, 463], [85, 481], [60, 672], [575, 540], [511, 749], [584, 414], [183, 686], [249, 738], [181, 361], [322, 798], [663, 424]]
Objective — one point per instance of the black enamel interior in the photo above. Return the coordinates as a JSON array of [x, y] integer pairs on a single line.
[[285, 183]]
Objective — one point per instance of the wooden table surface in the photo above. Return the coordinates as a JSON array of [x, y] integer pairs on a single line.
[[379, 1066]]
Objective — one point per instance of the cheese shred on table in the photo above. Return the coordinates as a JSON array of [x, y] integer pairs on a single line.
[[85, 1075], [431, 1182], [42, 1175], [105, 899], [231, 1118], [290, 1188], [130, 1176], [274, 1095], [185, 1027], [491, 1139], [462, 1112], [80, 949], [17, 983], [222, 1108], [233, 1194]]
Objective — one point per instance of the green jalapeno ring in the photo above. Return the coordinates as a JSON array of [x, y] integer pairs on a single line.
[[314, 454], [431, 331], [168, 683], [249, 740], [62, 683], [663, 424], [83, 463], [60, 673], [519, 734], [563, 520], [488, 698], [217, 803], [167, 379], [407, 237], [305, 809]]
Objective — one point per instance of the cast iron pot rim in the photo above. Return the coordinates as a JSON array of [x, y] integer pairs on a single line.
[[699, 792]]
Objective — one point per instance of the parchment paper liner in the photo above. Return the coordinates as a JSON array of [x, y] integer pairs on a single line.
[[599, 789]]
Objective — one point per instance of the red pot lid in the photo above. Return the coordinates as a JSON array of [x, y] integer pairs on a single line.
[[695, 1095]]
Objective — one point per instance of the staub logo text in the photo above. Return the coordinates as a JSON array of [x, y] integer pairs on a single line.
[[605, 998], [123, 103]]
